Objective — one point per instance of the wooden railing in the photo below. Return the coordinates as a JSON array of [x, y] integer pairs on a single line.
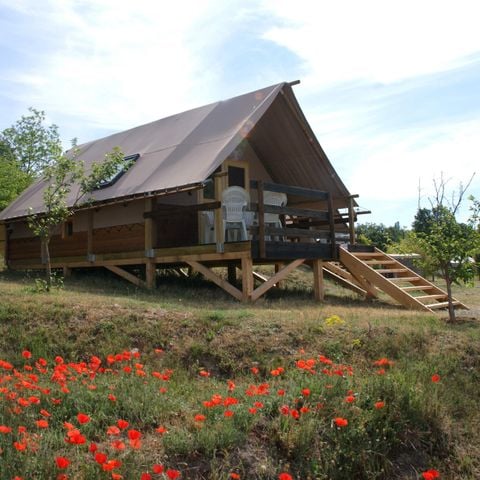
[[325, 217]]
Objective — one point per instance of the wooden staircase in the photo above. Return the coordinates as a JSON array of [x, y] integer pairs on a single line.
[[372, 270]]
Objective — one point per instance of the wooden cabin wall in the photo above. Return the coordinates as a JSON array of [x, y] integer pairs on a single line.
[[179, 229]]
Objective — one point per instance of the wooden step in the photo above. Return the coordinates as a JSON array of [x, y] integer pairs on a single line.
[[391, 270], [405, 279], [425, 297], [441, 305], [419, 287], [379, 261]]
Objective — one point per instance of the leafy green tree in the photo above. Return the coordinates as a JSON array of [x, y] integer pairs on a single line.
[[34, 145], [13, 180], [447, 243], [379, 235], [65, 174]]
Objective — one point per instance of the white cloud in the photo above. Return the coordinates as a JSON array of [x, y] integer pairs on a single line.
[[375, 40], [116, 63]]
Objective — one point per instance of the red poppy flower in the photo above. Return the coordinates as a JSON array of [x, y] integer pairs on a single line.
[[235, 476], [228, 413], [340, 422], [26, 354], [122, 424], [62, 462], [83, 418], [113, 430], [5, 429], [20, 446], [431, 474], [134, 434], [350, 399], [204, 373], [379, 405], [42, 423], [157, 468], [306, 392], [285, 476], [199, 417], [161, 430], [435, 378], [173, 474], [100, 458], [145, 476]]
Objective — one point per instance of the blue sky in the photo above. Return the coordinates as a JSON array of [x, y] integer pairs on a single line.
[[391, 89]]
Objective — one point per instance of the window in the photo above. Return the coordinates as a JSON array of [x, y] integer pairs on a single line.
[[128, 161]]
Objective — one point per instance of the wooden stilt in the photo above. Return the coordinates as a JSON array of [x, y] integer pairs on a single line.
[[318, 284], [207, 273], [150, 274], [259, 291], [67, 272], [232, 273], [126, 275], [278, 267], [247, 278]]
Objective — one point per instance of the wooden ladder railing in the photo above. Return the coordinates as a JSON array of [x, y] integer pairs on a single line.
[[381, 271]]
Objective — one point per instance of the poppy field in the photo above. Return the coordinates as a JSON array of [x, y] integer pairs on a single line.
[[95, 389]]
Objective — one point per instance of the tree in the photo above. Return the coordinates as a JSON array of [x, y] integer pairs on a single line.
[[63, 175], [448, 243], [13, 180], [34, 145], [379, 235]]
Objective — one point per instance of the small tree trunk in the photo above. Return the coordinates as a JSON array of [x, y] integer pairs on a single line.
[[46, 260], [451, 308]]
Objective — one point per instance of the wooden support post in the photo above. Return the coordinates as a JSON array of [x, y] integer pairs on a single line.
[[331, 218], [150, 269], [351, 220], [261, 220], [259, 291], [210, 275], [4, 243], [67, 272], [232, 273], [89, 233], [219, 230], [247, 279], [278, 267], [126, 275], [318, 284]]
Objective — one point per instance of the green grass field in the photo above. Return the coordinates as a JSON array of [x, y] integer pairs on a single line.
[[204, 387]]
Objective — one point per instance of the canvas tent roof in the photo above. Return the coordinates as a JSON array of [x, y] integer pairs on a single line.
[[181, 151]]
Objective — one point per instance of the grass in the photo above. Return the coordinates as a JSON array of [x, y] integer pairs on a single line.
[[196, 345]]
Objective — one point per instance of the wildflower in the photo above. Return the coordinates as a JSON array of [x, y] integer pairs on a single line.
[[157, 468], [350, 398], [161, 430], [26, 354], [435, 379], [306, 392], [431, 474], [235, 476], [100, 458], [228, 413], [41, 423], [83, 418], [122, 424], [199, 417], [204, 373], [118, 445], [281, 392], [383, 362], [255, 370], [5, 429], [145, 476], [112, 397], [285, 476], [62, 462], [113, 430], [340, 422], [20, 446], [173, 474], [116, 476], [92, 447], [379, 405]]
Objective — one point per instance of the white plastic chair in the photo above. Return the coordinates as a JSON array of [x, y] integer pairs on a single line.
[[234, 203], [208, 226], [276, 199]]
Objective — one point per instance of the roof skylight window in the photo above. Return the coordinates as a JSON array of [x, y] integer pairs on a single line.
[[128, 161]]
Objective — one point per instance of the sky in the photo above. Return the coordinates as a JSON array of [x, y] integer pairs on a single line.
[[391, 89]]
